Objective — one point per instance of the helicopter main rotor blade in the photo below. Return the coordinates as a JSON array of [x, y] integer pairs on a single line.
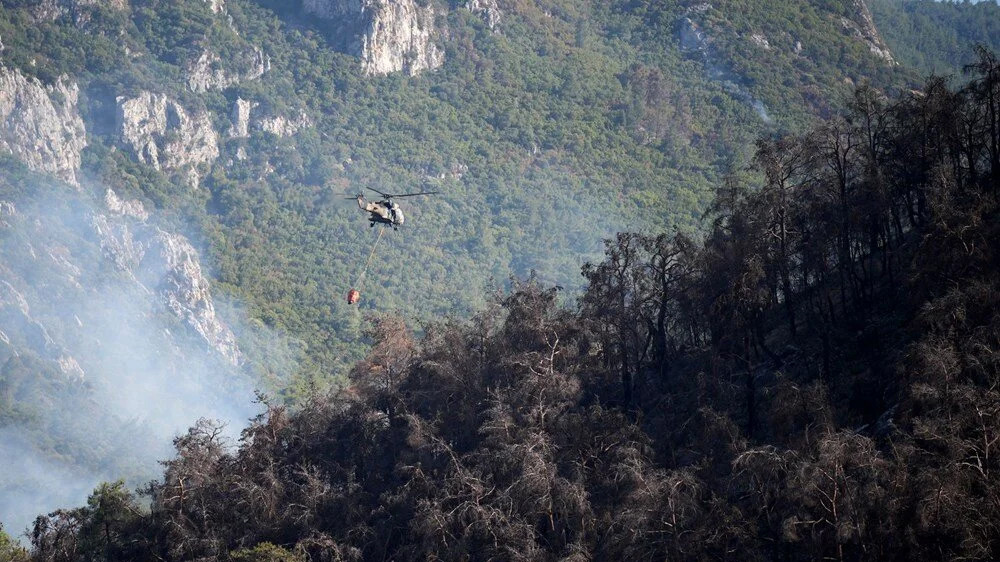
[[379, 192], [413, 194]]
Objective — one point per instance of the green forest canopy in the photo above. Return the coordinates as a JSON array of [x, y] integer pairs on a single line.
[[544, 138]]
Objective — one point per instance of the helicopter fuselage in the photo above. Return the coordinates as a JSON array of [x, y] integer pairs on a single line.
[[382, 212]]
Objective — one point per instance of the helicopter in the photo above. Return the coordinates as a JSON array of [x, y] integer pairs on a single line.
[[386, 211]]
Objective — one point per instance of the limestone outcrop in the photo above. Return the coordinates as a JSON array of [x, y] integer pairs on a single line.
[[165, 263], [217, 6], [245, 120], [862, 26], [168, 137], [389, 35], [282, 126], [78, 11], [41, 125], [207, 72], [17, 326], [488, 10], [241, 118], [7, 211], [187, 293]]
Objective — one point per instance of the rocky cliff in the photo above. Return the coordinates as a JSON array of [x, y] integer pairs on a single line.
[[245, 119], [217, 6], [166, 264], [77, 11], [208, 72], [187, 293], [389, 35], [40, 125], [58, 262], [488, 10], [862, 26], [109, 345], [282, 126], [241, 118], [19, 329], [165, 135]]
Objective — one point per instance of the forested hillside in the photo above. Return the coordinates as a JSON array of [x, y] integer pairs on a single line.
[[546, 126], [936, 37], [175, 226], [814, 381]]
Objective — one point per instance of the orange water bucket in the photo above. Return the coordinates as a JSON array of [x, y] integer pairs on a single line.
[[353, 296]]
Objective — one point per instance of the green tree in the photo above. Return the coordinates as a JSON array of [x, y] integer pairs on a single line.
[[10, 551]]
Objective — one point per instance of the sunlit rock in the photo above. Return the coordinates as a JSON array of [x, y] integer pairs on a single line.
[[165, 263], [162, 133], [390, 35], [488, 10], [40, 125], [862, 26]]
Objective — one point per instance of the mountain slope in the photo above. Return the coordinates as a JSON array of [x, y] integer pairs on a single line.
[[238, 126], [562, 123], [109, 345], [937, 37], [815, 380]]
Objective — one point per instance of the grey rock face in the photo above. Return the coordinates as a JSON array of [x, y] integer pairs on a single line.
[[187, 292], [207, 72], [118, 206], [241, 118], [77, 10], [391, 35], [69, 367], [400, 37], [16, 318], [167, 264], [161, 133], [119, 243], [280, 125], [862, 26], [10, 298], [41, 125], [761, 41], [117, 234], [217, 6], [7, 211], [488, 10]]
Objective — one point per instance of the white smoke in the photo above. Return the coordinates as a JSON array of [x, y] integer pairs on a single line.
[[146, 375]]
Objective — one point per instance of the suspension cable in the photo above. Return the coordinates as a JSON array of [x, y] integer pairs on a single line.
[[368, 262]]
